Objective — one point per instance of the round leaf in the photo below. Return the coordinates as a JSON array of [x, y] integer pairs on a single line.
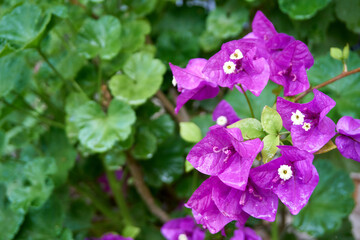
[[142, 78], [25, 26], [100, 37], [145, 144], [190, 132], [270, 147], [250, 128], [271, 121], [329, 204], [98, 131], [133, 34], [336, 53], [303, 9]]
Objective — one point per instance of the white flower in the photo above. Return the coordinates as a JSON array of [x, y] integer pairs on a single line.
[[236, 55], [297, 118], [285, 172], [229, 67], [182, 237], [306, 126], [174, 82], [222, 121]]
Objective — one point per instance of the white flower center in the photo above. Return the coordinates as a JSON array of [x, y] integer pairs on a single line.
[[236, 55], [285, 172], [222, 121], [174, 82], [182, 237], [297, 118], [229, 67], [306, 126]]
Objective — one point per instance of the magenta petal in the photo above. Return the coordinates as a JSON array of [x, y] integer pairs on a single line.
[[261, 203], [204, 209], [258, 73], [278, 42], [236, 174], [203, 157], [227, 200], [295, 194], [348, 147], [315, 138], [349, 126], [262, 27], [226, 110], [295, 52]]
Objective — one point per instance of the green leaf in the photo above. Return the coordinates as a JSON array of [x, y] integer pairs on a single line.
[[141, 79], [167, 165], [223, 24], [270, 147], [177, 47], [14, 73], [330, 202], [271, 121], [208, 42], [348, 12], [5, 48], [145, 144], [10, 220], [78, 216], [55, 144], [204, 122], [250, 128], [336, 53], [327, 147], [45, 223], [100, 37], [141, 7], [99, 131], [162, 127], [346, 91], [190, 132], [25, 26], [114, 159], [130, 231], [346, 51], [133, 35], [304, 9], [188, 166], [33, 187]]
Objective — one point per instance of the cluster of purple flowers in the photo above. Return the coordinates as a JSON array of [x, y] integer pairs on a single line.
[[236, 189]]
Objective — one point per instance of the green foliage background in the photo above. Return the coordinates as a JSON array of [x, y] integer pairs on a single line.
[[78, 80]]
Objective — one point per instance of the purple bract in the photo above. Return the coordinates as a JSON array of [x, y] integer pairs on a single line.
[[224, 114], [292, 177], [239, 62], [223, 153], [348, 142], [192, 83], [309, 126], [245, 233], [182, 229]]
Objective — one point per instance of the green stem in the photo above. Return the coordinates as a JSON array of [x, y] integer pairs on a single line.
[[274, 230], [103, 208], [119, 198], [73, 82], [248, 101]]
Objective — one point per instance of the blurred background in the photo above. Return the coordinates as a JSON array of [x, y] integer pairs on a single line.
[[89, 140]]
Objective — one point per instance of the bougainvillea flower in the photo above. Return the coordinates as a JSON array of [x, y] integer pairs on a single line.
[[223, 153], [288, 68], [309, 126], [216, 204], [239, 62], [348, 142], [292, 177], [224, 114], [244, 233], [182, 229], [288, 58], [192, 83], [110, 236]]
